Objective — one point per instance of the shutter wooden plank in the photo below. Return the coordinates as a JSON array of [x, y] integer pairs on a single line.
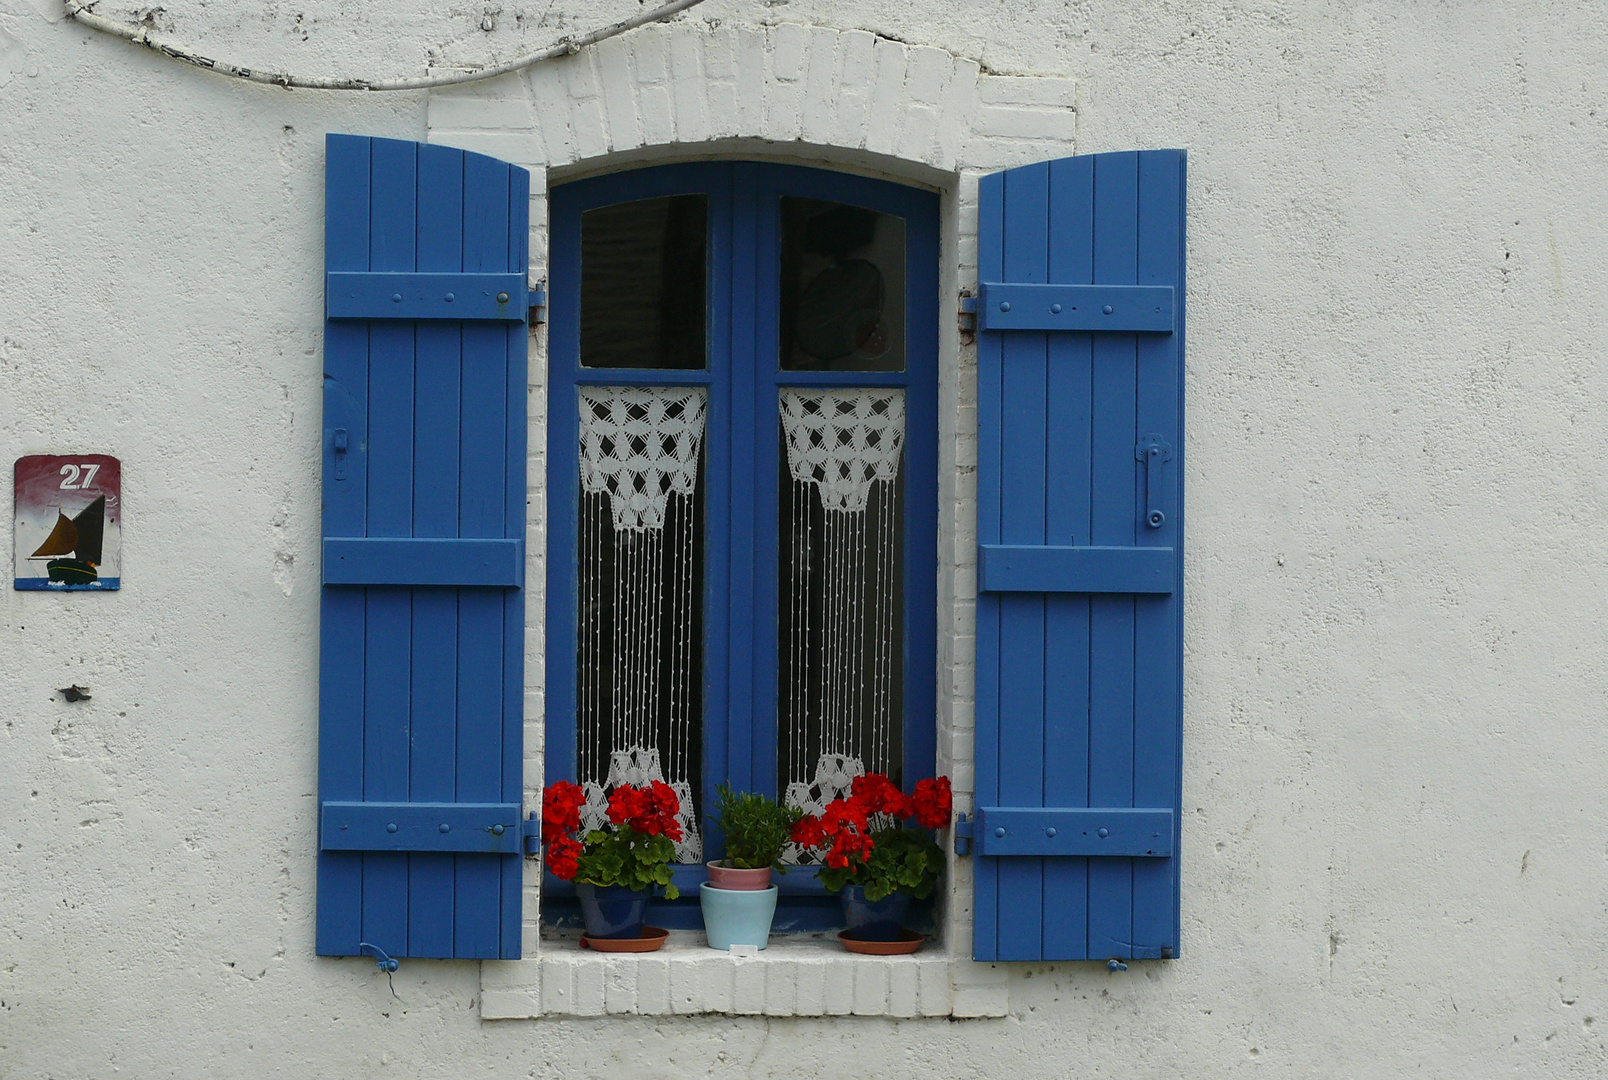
[[516, 340], [1085, 568], [1159, 656], [435, 297], [342, 611], [1059, 306], [393, 211], [483, 464], [1066, 631], [376, 560], [1116, 510], [432, 877], [990, 349], [1022, 521], [428, 832]]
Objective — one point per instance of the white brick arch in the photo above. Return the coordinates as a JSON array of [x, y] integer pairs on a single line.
[[849, 100], [683, 91]]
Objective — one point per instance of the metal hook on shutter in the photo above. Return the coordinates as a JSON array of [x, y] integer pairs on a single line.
[[385, 964]]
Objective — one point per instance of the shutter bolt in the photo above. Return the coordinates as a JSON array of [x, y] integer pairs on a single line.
[[451, 297], [1000, 832], [1050, 832], [1004, 305], [502, 298], [396, 298], [1104, 833], [1116, 965], [391, 827], [1107, 309], [445, 827], [497, 830], [1055, 309]]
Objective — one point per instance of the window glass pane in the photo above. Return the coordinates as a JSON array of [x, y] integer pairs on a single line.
[[842, 288], [639, 612], [841, 596], [642, 283]]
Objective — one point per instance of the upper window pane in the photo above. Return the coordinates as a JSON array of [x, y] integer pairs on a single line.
[[642, 283], [843, 287]]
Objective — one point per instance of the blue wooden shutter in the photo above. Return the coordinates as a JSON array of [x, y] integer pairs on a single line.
[[422, 638], [1080, 527]]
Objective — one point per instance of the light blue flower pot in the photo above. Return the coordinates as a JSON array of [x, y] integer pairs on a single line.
[[737, 916]]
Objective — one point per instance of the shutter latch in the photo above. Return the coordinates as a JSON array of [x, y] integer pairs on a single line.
[[963, 835], [1153, 451]]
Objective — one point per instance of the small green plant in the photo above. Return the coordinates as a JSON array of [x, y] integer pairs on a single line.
[[756, 828]]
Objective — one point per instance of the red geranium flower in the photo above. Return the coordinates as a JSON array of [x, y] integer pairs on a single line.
[[562, 856], [626, 803], [561, 810], [841, 814], [933, 801], [661, 811], [848, 847], [807, 832], [876, 794]]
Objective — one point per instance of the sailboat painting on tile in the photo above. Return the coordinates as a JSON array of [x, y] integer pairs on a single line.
[[69, 522]]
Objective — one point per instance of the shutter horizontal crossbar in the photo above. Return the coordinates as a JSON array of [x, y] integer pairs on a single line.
[[1114, 308], [387, 561], [1088, 569], [1119, 832], [492, 828], [458, 297]]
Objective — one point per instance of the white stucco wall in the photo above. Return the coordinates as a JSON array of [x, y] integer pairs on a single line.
[[1394, 857]]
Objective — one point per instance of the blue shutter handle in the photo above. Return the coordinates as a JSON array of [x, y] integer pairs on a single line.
[[1153, 451], [340, 445]]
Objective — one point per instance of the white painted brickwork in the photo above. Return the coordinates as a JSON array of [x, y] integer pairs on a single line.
[[851, 100]]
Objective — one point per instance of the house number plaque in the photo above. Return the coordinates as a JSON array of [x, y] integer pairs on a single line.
[[68, 522]]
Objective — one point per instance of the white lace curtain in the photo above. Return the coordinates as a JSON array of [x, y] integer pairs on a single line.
[[639, 665], [841, 639]]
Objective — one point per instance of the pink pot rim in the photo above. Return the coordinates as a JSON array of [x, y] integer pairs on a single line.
[[730, 877]]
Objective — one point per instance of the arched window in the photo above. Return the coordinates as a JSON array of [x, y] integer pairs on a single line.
[[742, 486]]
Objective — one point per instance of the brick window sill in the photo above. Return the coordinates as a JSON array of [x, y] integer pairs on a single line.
[[802, 975]]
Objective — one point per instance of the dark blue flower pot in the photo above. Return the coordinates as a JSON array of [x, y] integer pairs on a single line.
[[612, 911], [874, 920]]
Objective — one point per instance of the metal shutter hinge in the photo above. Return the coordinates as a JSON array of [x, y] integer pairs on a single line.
[[968, 318], [538, 306], [532, 832], [963, 835]]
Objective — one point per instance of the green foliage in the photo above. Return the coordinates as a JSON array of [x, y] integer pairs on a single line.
[[622, 856], [755, 827], [902, 860]]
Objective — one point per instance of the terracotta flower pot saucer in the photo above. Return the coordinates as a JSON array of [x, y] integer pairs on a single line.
[[907, 942], [652, 939]]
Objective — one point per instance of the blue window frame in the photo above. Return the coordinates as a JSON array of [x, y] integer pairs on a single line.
[[743, 377]]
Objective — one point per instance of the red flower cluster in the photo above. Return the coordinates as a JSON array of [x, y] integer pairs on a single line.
[[933, 802], [874, 793], [561, 816], [844, 828], [652, 809]]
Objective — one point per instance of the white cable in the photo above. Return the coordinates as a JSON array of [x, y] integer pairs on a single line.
[[78, 10]]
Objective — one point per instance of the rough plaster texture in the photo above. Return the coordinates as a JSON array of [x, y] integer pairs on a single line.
[[1394, 856]]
